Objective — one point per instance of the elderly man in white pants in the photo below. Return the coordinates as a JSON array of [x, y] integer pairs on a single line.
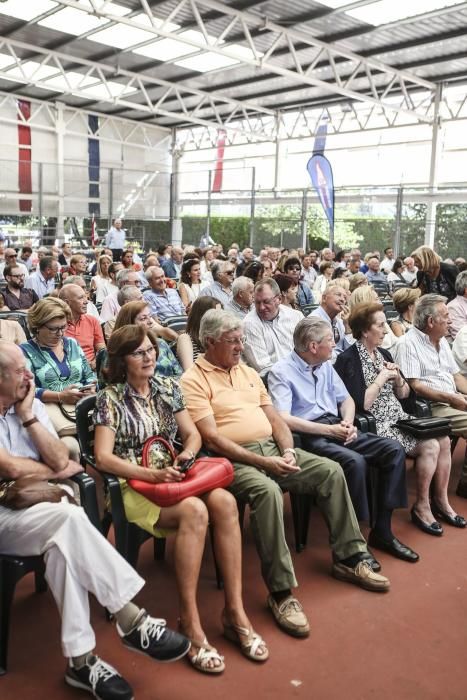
[[77, 557]]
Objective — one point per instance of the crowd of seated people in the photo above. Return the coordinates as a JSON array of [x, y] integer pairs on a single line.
[[284, 341]]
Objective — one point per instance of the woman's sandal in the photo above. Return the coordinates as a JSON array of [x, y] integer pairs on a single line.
[[247, 639], [204, 654]]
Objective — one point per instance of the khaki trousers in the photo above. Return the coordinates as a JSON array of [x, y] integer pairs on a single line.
[[319, 477], [459, 426]]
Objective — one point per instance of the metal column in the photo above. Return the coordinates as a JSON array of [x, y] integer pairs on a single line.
[[252, 208], [60, 130], [304, 220], [397, 233], [435, 148]]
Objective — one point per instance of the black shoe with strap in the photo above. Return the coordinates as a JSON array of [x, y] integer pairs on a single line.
[[100, 679]]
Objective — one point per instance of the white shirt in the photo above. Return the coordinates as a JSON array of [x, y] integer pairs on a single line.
[[459, 350], [40, 285], [115, 238], [309, 275], [387, 264], [419, 359], [269, 341], [410, 276], [110, 308], [15, 439]]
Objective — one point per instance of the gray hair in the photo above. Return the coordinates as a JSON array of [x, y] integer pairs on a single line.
[[311, 328], [122, 277], [268, 282], [461, 283], [150, 271], [240, 284], [129, 293], [426, 307], [218, 268], [73, 279], [215, 322]]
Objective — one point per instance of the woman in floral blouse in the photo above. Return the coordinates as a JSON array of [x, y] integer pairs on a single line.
[[134, 407]]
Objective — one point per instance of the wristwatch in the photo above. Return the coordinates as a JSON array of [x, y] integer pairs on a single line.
[[291, 450]]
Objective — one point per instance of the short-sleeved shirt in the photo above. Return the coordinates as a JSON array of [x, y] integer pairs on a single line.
[[88, 334], [233, 397], [134, 419], [27, 297], [419, 359], [304, 391], [164, 305]]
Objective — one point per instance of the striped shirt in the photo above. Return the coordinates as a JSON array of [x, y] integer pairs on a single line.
[[269, 341], [164, 305], [39, 284], [419, 359]]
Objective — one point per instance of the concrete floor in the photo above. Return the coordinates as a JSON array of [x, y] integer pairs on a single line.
[[408, 644]]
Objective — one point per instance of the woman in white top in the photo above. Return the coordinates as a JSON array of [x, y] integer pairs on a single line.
[[102, 283], [325, 275], [190, 284]]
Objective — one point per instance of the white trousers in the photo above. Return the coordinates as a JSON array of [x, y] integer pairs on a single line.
[[78, 560]]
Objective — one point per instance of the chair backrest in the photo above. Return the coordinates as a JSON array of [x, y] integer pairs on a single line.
[[176, 323], [21, 317], [85, 428], [306, 309], [391, 314]]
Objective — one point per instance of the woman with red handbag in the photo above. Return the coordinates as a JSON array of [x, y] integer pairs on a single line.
[[134, 407]]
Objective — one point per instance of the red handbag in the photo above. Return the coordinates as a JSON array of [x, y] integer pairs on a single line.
[[206, 474]]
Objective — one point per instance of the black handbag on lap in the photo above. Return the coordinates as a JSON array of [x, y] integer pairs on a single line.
[[425, 428]]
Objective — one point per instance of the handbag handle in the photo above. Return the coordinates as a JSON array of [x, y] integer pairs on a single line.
[[148, 444]]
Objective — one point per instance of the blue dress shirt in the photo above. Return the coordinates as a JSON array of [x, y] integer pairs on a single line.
[[304, 391]]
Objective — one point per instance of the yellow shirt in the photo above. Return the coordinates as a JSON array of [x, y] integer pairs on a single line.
[[234, 397]]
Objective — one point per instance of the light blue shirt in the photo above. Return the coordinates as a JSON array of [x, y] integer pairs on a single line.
[[164, 305], [115, 238], [338, 327], [40, 285], [304, 391]]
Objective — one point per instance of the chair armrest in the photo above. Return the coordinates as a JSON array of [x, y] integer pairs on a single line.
[[88, 496], [361, 422], [112, 487], [370, 420]]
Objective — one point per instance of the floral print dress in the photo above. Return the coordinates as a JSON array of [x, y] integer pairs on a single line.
[[386, 408]]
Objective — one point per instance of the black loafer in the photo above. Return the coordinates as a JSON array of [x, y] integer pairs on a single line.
[[454, 520], [372, 561], [394, 547], [433, 529]]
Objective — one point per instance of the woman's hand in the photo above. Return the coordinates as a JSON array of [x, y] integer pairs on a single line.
[[167, 475], [387, 375], [71, 394]]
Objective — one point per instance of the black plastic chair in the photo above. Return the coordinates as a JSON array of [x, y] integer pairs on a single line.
[[128, 536], [176, 323], [13, 568]]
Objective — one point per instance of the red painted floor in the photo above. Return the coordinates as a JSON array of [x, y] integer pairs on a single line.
[[409, 644]]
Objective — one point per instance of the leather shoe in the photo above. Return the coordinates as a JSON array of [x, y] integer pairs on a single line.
[[371, 561], [461, 489], [454, 520], [433, 529], [393, 546]]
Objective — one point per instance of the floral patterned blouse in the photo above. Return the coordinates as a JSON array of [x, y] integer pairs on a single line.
[[386, 408], [134, 419]]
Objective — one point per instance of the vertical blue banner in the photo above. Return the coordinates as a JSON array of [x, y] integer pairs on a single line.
[[320, 172], [94, 165]]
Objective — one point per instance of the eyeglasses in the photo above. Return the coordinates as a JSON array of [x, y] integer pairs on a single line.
[[11, 255], [56, 330], [294, 269], [230, 272], [233, 341], [139, 354]]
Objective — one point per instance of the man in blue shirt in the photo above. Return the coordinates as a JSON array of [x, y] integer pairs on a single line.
[[332, 305], [115, 239], [173, 266], [164, 302], [312, 399]]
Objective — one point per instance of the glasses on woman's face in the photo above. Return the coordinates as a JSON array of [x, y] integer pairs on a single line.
[[140, 354], [56, 330]]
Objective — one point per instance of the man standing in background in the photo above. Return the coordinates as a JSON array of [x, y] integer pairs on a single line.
[[115, 239]]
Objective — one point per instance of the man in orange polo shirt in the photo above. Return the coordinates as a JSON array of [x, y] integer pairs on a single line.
[[234, 414], [85, 329]]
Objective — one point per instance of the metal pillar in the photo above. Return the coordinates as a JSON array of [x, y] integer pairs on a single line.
[[396, 244], [40, 187], [304, 220], [208, 221], [252, 208], [277, 157], [430, 223], [111, 197], [60, 130]]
